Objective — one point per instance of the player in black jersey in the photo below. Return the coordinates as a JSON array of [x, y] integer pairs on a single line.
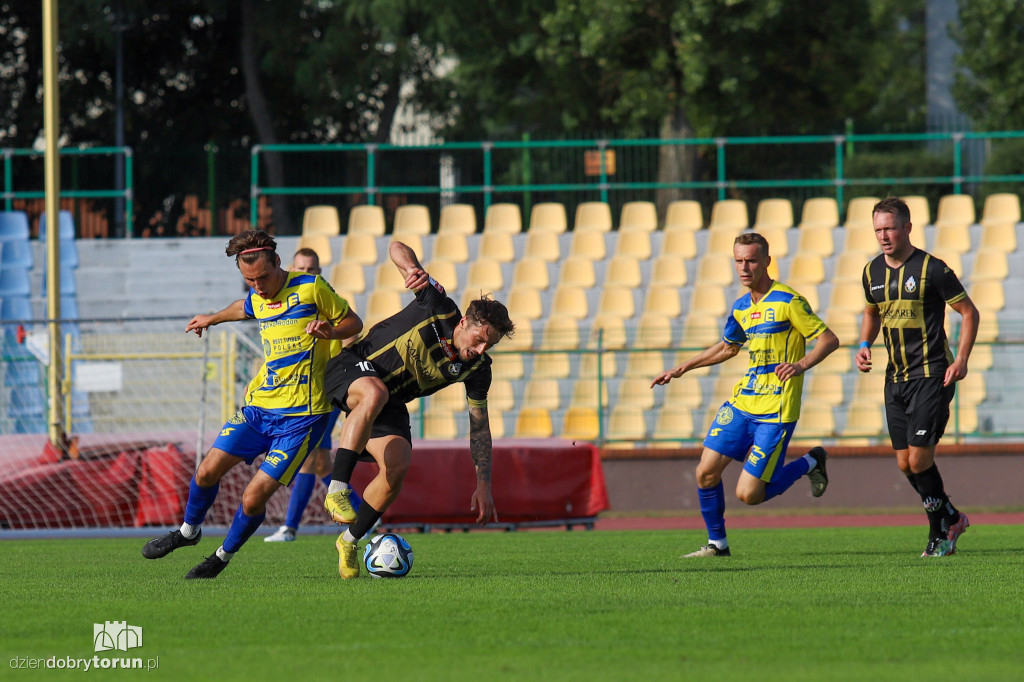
[[907, 291], [426, 346]]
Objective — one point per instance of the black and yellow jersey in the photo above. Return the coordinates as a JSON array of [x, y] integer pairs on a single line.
[[911, 302], [412, 350]]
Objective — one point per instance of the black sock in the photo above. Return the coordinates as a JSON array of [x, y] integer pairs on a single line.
[[912, 478], [365, 518], [344, 465], [936, 503]]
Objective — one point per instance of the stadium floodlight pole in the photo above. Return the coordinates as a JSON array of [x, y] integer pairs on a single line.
[[51, 125]]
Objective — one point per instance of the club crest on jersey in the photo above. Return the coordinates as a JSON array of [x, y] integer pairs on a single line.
[[910, 285], [455, 368], [724, 415]]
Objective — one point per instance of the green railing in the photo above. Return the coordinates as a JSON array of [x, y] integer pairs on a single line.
[[70, 190], [840, 147]]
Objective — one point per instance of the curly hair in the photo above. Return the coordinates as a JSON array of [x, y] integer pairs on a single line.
[[249, 246], [485, 310]]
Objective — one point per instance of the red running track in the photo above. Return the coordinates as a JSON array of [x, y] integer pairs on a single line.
[[795, 521]]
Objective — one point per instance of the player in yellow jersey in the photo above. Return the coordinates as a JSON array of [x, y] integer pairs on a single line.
[[757, 423], [286, 409]]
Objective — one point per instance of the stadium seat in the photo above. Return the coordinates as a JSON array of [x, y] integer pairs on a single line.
[[524, 304], [717, 269], [497, 246], [806, 267], [963, 418], [1002, 237], [522, 340], [1000, 209], [451, 398], [18, 253], [777, 238], [729, 214], [808, 291], [849, 267], [844, 325], [484, 275], [589, 244], [988, 295], [626, 422], [543, 245], [531, 273], [14, 281], [817, 420], [819, 212], [610, 329], [496, 421], [662, 300], [542, 393], [633, 243], [594, 366], [17, 307], [386, 277], [14, 226], [858, 212], [668, 270], [445, 272], [840, 361], [503, 219], [868, 387], [684, 391], [366, 219], [684, 214], [951, 258], [381, 305], [981, 357], [673, 423], [860, 238], [680, 243], [971, 389], [847, 297], [988, 264], [864, 420], [321, 220], [452, 247], [319, 243], [560, 333], [817, 240], [581, 423], [577, 271], [359, 248], [586, 392], [623, 271], [411, 219], [824, 389], [645, 363], [348, 276], [638, 215], [636, 391], [701, 331], [570, 302], [533, 422], [773, 213], [593, 216], [459, 218], [66, 228], [439, 424], [507, 365], [653, 331], [920, 213], [721, 241], [548, 217], [707, 300], [956, 210], [954, 237], [501, 395]]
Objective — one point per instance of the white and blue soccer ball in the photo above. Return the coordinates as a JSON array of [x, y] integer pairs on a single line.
[[387, 555]]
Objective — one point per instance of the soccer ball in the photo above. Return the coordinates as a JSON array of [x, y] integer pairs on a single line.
[[387, 556]]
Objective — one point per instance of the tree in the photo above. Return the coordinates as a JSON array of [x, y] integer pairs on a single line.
[[989, 86]]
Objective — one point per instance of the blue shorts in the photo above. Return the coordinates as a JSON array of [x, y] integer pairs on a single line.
[[737, 435], [286, 440], [332, 419]]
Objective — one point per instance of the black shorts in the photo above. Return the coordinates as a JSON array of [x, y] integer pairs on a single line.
[[345, 368], [917, 411]]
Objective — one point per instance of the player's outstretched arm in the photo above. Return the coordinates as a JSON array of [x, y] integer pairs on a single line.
[[407, 262], [720, 352], [480, 449], [968, 333], [233, 313]]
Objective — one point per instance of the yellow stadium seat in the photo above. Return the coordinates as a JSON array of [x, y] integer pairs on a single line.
[[577, 271], [951, 258], [593, 216], [459, 218], [777, 238], [717, 269], [524, 304], [955, 210], [617, 301], [860, 238], [707, 300], [380, 305], [808, 291], [542, 393], [673, 423], [988, 295], [366, 219], [864, 420], [730, 214], [1002, 237], [531, 273], [868, 387], [669, 271], [636, 391], [543, 245], [623, 271], [522, 339], [496, 422], [849, 267], [681, 243], [507, 365], [638, 215], [551, 366], [585, 393], [595, 366], [349, 276], [548, 217], [319, 243], [847, 297], [581, 423], [820, 212], [701, 331], [953, 237], [684, 214], [501, 395], [1001, 209], [663, 300], [588, 244], [533, 422], [806, 267], [817, 420], [817, 240], [444, 271], [321, 220], [971, 389], [570, 302], [684, 391], [626, 422], [414, 242], [858, 212], [497, 246], [824, 389], [503, 219], [988, 264], [484, 275], [981, 358], [451, 398], [845, 325], [839, 361], [633, 243], [654, 331], [560, 333], [439, 424], [387, 277], [773, 213], [645, 363], [609, 329], [452, 247], [411, 219], [722, 241]]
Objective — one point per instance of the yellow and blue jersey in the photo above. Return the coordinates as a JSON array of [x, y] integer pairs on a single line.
[[291, 381], [777, 329]]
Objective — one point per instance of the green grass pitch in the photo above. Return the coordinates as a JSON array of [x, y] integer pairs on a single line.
[[808, 604]]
